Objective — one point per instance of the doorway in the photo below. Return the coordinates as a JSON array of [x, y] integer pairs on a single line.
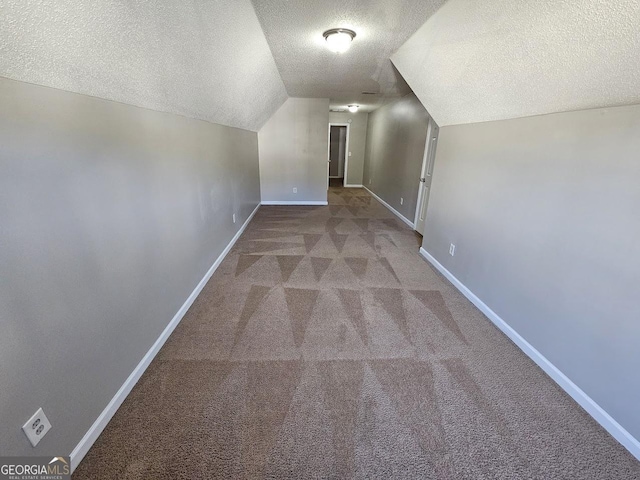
[[338, 154], [424, 185]]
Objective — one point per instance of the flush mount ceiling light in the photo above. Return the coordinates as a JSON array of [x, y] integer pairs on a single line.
[[353, 108], [339, 39]]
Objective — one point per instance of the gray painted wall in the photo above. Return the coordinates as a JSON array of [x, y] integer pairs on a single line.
[[396, 138], [544, 215], [357, 142], [294, 151], [110, 215]]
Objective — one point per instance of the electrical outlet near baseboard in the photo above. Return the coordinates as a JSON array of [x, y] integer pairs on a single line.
[[36, 427], [295, 189], [234, 218], [401, 200], [452, 249]]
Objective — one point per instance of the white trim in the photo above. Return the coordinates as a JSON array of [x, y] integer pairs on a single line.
[[423, 171], [332, 176], [347, 153], [328, 154], [278, 202], [393, 210], [352, 186], [101, 422], [616, 430], [346, 149]]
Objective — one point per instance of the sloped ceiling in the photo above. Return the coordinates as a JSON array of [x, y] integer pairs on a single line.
[[294, 32], [198, 58], [498, 59]]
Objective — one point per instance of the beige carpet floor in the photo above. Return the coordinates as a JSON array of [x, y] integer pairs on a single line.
[[324, 346]]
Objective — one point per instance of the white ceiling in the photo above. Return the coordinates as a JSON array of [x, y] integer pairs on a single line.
[[497, 59], [228, 62], [294, 32], [198, 58]]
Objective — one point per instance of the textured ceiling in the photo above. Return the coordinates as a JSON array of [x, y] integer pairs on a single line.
[[308, 69], [199, 58], [497, 59], [209, 59]]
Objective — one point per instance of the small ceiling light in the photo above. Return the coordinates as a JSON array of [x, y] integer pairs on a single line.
[[339, 39], [353, 108]]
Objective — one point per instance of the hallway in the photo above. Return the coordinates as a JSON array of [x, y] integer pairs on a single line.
[[324, 346]]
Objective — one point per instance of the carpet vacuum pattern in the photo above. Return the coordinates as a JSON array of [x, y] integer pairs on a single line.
[[324, 346]]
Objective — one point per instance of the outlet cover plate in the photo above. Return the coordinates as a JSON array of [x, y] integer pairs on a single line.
[[36, 427]]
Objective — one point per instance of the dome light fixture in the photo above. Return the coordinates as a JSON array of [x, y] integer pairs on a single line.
[[339, 39], [353, 108]]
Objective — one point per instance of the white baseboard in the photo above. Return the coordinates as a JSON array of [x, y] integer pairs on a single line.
[[393, 210], [616, 430], [101, 422], [352, 185], [278, 202]]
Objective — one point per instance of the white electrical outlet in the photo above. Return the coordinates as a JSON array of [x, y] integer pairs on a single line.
[[234, 218], [295, 189], [36, 427], [401, 200], [452, 249], [349, 153]]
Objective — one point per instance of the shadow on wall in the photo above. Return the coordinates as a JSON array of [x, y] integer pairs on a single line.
[[293, 147], [115, 214], [396, 136], [546, 230]]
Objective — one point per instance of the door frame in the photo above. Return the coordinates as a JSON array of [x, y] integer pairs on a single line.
[[427, 168], [346, 150]]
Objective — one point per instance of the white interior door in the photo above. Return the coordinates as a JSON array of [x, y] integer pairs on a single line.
[[424, 186]]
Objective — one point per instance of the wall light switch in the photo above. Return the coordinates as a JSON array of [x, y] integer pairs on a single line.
[[401, 200], [234, 218], [452, 249]]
